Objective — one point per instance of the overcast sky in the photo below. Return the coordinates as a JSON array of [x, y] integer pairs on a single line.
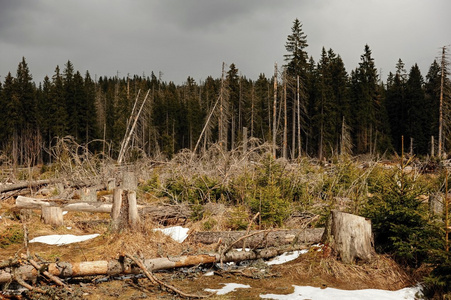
[[184, 38]]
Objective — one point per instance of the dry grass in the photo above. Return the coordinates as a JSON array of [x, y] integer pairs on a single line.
[[315, 269]]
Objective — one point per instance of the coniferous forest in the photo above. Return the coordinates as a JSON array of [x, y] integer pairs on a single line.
[[306, 107]]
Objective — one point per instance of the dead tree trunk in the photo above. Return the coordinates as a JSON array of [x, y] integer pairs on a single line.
[[21, 185], [349, 236], [125, 266], [259, 239]]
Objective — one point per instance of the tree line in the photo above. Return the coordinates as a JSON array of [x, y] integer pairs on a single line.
[[304, 108]]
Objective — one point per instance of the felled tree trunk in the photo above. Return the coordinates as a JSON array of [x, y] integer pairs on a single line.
[[66, 205], [21, 185], [349, 236], [125, 266], [264, 239]]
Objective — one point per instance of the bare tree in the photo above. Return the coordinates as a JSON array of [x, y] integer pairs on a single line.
[[274, 113]]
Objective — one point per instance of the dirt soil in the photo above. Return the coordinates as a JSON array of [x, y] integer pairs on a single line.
[[316, 268]]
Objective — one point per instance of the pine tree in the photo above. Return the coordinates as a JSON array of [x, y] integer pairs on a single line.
[[296, 80], [396, 105], [58, 118], [297, 56], [89, 115], [432, 97], [418, 115], [70, 99], [368, 111], [27, 130], [400, 219], [233, 91]]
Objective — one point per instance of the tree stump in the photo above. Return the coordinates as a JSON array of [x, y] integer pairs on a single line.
[[133, 216], [52, 215], [350, 236], [124, 213]]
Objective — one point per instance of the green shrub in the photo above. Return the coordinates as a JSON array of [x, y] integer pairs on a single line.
[[400, 220], [273, 208], [238, 218]]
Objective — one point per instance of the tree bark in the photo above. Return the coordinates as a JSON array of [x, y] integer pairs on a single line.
[[52, 215], [264, 239], [66, 205], [165, 214], [126, 266], [350, 236], [22, 185], [133, 216]]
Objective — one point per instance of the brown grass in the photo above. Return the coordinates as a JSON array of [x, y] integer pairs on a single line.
[[316, 270]]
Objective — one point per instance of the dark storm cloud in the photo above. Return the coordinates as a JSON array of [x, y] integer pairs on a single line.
[[193, 37]]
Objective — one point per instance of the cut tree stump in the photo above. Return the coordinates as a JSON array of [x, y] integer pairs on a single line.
[[124, 213], [350, 236], [52, 215]]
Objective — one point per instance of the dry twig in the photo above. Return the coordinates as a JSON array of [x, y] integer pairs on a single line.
[[48, 275], [155, 280]]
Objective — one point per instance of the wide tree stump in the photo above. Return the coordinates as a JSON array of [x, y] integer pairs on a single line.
[[52, 215], [350, 236]]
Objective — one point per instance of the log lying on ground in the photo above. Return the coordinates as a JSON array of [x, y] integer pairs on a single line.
[[263, 239], [22, 185], [66, 205], [126, 266], [170, 214]]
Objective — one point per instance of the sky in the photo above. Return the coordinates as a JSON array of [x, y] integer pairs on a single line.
[[181, 38]]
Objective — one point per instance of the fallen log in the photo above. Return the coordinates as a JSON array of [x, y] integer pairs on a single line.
[[126, 266], [259, 239], [22, 185], [66, 205], [166, 214]]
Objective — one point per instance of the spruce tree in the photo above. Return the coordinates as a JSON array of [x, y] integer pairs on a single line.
[[58, 118], [419, 115]]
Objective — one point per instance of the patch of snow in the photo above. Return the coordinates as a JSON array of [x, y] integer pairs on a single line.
[[228, 287], [64, 212], [69, 228], [211, 273], [285, 257], [63, 239], [314, 293], [241, 249], [177, 233]]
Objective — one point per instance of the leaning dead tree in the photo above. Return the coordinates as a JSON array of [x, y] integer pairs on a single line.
[[131, 127]]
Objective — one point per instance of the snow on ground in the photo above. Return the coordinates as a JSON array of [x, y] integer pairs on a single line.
[[285, 257], [177, 233], [313, 293], [228, 287], [63, 239]]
